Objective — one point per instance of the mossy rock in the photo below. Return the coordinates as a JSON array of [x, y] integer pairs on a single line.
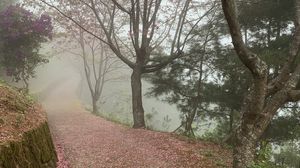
[[35, 150], [26, 140]]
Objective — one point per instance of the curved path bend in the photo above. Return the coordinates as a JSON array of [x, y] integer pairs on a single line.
[[88, 141]]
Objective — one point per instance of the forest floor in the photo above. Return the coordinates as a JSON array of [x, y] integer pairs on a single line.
[[84, 140]]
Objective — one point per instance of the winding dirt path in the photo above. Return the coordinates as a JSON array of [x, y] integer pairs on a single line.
[[88, 141]]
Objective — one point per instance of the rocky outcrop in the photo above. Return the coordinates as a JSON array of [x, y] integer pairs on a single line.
[[35, 150], [25, 139]]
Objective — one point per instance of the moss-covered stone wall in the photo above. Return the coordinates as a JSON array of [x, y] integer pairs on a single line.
[[34, 150]]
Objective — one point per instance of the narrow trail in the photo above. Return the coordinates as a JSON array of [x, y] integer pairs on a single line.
[[89, 141]]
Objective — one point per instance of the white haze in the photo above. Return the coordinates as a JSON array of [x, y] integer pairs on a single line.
[[64, 67]]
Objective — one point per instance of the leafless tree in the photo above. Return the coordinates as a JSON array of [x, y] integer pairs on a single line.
[[150, 25], [98, 61], [98, 65]]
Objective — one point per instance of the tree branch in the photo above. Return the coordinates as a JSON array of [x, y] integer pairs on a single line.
[[109, 42], [257, 67], [74, 21], [156, 67], [120, 7], [284, 75]]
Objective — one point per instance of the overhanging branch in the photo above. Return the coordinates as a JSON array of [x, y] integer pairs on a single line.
[[109, 42], [120, 7], [75, 22], [257, 67], [156, 67]]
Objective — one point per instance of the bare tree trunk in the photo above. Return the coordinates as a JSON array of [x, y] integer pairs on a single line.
[[196, 101], [247, 134], [137, 103], [189, 121], [244, 150], [95, 107], [26, 84], [231, 120]]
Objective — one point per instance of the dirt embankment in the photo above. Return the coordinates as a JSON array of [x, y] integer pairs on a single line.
[[25, 139]]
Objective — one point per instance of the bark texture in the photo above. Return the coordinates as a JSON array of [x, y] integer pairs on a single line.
[[137, 103], [95, 106], [265, 96]]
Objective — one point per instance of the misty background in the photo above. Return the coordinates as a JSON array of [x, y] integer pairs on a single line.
[[63, 66]]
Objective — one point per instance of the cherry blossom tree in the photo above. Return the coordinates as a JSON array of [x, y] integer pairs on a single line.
[[135, 29]]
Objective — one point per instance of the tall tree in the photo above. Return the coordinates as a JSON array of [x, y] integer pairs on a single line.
[[97, 60], [265, 95], [149, 24], [184, 81], [265, 32], [98, 65]]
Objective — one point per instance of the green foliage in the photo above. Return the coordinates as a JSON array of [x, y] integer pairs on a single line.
[[262, 165], [228, 96], [21, 35], [185, 80], [212, 137], [285, 127], [217, 135], [267, 24], [255, 14], [263, 158], [181, 85], [289, 156]]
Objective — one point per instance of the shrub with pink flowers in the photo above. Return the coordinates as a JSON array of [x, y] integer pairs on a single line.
[[21, 36]]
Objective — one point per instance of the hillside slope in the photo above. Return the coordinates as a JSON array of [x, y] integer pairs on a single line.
[[25, 139]]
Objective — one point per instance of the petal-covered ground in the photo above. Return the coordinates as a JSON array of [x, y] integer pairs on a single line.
[[87, 141]]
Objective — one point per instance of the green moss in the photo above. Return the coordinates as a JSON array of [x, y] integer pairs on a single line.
[[35, 150], [15, 100]]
